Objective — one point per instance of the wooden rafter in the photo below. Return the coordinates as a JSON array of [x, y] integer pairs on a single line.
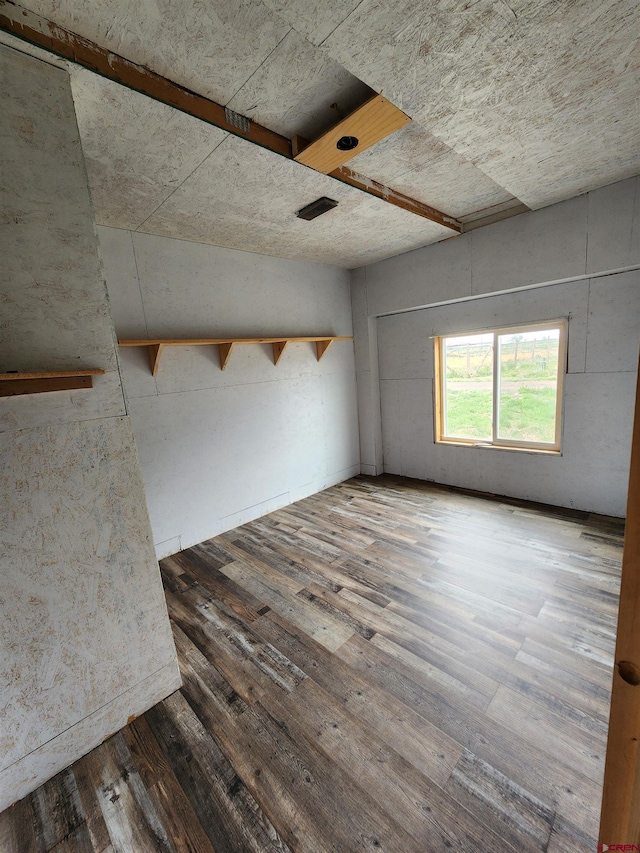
[[39, 31]]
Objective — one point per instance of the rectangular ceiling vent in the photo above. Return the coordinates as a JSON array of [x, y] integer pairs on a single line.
[[316, 208]]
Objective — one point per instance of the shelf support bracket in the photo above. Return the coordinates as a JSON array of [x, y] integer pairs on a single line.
[[225, 352], [322, 347], [155, 351], [278, 348]]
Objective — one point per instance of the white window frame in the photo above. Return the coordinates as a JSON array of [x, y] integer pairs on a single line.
[[440, 379]]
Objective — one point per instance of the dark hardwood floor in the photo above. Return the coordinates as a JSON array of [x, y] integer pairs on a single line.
[[385, 666]]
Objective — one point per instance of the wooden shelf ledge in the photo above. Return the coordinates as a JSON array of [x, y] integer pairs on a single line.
[[226, 345], [38, 382]]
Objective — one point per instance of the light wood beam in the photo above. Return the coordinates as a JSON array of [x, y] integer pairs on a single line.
[[39, 31]]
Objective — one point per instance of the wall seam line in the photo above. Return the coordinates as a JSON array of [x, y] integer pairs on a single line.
[[522, 288], [88, 716]]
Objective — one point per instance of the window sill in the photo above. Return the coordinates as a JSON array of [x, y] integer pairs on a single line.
[[535, 450]]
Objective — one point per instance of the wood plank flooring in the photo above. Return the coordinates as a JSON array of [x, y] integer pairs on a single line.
[[385, 666]]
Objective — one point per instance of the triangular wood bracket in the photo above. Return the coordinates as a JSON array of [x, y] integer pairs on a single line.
[[155, 351], [278, 348], [225, 352], [322, 347]]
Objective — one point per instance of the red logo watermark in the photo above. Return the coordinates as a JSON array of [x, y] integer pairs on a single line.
[[603, 848]]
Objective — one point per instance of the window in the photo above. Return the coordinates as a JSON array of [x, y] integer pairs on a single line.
[[501, 387]]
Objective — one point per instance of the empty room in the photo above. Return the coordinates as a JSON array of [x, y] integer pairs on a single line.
[[320, 437]]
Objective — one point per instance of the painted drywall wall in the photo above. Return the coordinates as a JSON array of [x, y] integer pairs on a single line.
[[499, 275], [85, 640], [220, 448]]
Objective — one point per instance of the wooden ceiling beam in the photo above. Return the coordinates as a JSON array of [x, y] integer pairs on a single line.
[[45, 34], [368, 185]]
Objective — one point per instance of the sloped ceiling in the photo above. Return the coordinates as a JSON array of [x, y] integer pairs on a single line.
[[525, 102]]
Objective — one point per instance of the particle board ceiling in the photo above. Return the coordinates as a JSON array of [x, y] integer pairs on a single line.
[[541, 95], [514, 104], [137, 150], [247, 197]]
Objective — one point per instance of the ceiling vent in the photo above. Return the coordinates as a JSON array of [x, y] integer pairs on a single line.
[[316, 208]]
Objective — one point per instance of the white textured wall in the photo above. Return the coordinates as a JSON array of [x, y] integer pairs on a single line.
[[84, 634], [219, 448], [507, 265]]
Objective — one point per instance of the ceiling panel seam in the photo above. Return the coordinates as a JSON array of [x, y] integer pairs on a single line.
[[340, 23], [191, 173], [135, 262], [255, 70]]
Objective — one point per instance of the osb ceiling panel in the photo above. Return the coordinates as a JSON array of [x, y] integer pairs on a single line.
[[294, 88], [137, 150], [513, 101], [211, 48], [416, 163], [541, 95], [245, 197], [315, 19], [159, 171]]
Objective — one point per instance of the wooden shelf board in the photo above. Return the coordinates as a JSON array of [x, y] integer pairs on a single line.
[[39, 382], [155, 346], [195, 342], [50, 374]]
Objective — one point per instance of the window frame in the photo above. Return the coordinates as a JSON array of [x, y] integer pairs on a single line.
[[562, 324]]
